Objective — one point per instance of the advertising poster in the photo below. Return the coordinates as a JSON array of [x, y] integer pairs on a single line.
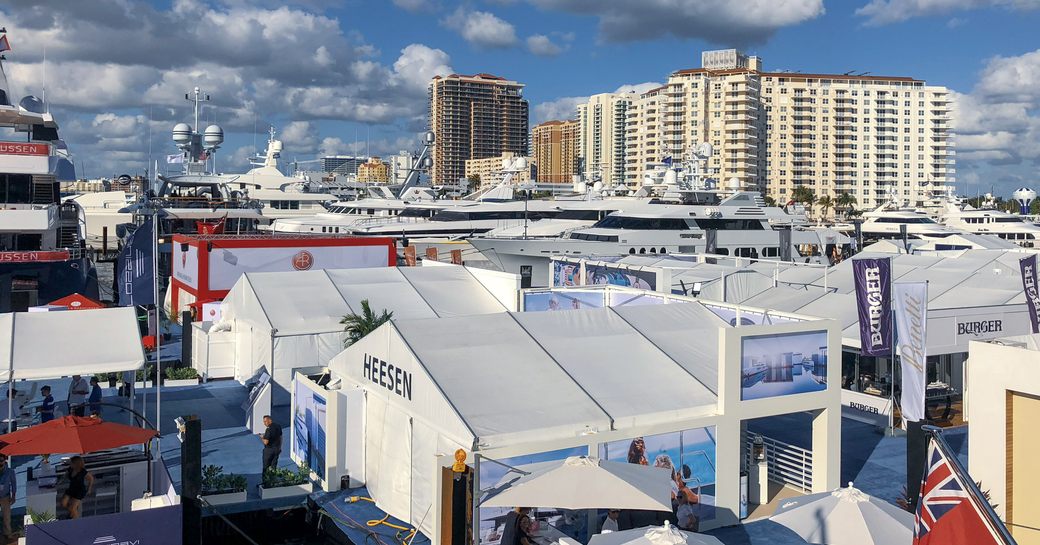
[[309, 429], [602, 274], [872, 278], [783, 364], [493, 519], [539, 301], [689, 454], [566, 274]]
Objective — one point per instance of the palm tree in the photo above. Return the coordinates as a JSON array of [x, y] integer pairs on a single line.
[[825, 202], [846, 201], [805, 196], [359, 325]]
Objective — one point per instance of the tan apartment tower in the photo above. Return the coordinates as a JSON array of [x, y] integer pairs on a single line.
[[554, 148], [475, 117], [602, 122]]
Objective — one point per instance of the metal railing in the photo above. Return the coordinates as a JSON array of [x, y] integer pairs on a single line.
[[788, 464]]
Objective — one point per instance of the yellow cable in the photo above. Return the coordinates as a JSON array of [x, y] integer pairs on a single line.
[[383, 521]]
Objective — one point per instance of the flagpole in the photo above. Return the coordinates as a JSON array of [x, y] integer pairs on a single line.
[[974, 493], [158, 315], [892, 345]]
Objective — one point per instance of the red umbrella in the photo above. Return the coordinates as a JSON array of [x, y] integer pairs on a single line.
[[73, 434]]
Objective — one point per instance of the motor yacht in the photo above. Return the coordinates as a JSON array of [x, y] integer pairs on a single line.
[[1014, 228], [885, 222]]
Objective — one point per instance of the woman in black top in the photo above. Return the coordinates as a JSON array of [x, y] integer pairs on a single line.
[[81, 484]]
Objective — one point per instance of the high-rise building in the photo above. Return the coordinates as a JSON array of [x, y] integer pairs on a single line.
[[602, 147], [374, 171], [475, 117], [491, 171], [400, 166], [554, 148], [877, 138], [341, 164]]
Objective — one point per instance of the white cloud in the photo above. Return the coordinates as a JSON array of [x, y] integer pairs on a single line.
[[414, 5], [541, 45], [481, 28], [566, 107], [418, 64], [637, 88], [882, 12], [300, 137], [718, 21]]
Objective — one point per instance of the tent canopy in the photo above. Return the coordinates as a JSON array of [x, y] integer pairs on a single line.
[[39, 345]]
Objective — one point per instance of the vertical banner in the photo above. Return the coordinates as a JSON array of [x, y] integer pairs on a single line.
[[911, 313], [136, 282], [1028, 266], [431, 253], [409, 256], [873, 280]]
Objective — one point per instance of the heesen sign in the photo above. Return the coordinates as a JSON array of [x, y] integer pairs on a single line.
[[24, 148], [387, 375]]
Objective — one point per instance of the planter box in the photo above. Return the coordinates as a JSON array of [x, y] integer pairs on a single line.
[[140, 385], [286, 491], [169, 383], [221, 499]]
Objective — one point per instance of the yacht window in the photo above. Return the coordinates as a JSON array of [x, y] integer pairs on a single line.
[[651, 224], [642, 250], [1009, 219], [587, 215], [770, 252], [371, 211], [416, 213], [595, 238], [631, 250], [663, 251], [905, 220], [730, 224], [15, 188], [721, 251]]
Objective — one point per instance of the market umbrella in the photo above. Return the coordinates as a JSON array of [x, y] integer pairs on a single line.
[[582, 482], [846, 516], [72, 434], [654, 535]]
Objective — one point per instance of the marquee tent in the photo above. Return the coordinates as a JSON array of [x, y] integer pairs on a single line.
[[289, 320]]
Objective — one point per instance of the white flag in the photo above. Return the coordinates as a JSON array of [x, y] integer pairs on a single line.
[[911, 313], [175, 158]]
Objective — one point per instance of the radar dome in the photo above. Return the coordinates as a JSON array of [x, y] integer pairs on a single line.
[[213, 137], [671, 177], [182, 133], [1024, 196], [734, 183], [32, 104], [521, 163], [429, 137]]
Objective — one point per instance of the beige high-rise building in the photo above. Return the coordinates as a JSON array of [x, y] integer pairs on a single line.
[[602, 147], [374, 171], [554, 148], [475, 117], [874, 137], [491, 170]]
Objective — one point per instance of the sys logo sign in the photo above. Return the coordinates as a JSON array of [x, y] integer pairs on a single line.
[[112, 540], [158, 526]]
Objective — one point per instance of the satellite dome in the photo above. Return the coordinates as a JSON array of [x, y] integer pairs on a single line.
[[429, 137], [1024, 196], [182, 133], [214, 136], [32, 104], [521, 163], [671, 177], [734, 183]]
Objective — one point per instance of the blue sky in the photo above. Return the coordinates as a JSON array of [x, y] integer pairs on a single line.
[[350, 75]]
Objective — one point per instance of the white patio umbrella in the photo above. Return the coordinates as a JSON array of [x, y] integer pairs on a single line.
[[654, 535], [582, 482], [846, 516]]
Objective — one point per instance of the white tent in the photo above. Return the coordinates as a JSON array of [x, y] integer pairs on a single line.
[[522, 382], [290, 320], [39, 345]]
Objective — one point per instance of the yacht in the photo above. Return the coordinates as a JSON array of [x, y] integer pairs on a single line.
[[884, 223], [104, 212], [990, 221], [462, 220], [738, 226], [42, 246], [573, 215]]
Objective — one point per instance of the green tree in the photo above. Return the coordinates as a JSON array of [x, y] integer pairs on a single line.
[[770, 201], [474, 181], [825, 202], [846, 202], [359, 325], [805, 196]]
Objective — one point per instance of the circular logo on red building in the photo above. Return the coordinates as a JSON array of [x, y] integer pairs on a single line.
[[303, 260]]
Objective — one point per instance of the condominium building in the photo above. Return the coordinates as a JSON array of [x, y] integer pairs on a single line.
[[400, 166], [492, 170], [877, 138], [554, 148], [602, 122], [374, 171], [475, 117]]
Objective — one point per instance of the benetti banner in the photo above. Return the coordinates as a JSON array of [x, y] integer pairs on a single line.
[[1032, 292], [911, 308], [873, 299]]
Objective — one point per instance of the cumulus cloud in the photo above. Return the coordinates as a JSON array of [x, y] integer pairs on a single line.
[[566, 107], [882, 12], [481, 28], [541, 45], [718, 21]]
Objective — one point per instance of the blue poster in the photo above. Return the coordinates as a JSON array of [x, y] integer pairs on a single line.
[[602, 274], [309, 428], [563, 300], [783, 364], [136, 277]]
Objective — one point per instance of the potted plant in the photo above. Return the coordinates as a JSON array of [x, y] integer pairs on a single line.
[[219, 488], [36, 517], [181, 376], [283, 482], [144, 377], [111, 378]]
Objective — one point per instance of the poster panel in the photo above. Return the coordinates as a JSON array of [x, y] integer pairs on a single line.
[[538, 301], [226, 265], [783, 364], [494, 519], [619, 276], [566, 274], [690, 455], [309, 420]]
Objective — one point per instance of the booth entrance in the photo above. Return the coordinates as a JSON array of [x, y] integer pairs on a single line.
[[457, 510]]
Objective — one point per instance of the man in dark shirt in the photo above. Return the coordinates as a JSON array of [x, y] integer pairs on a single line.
[[272, 438], [46, 409]]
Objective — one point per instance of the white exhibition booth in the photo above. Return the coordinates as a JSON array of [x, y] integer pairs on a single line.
[[534, 386], [284, 321]]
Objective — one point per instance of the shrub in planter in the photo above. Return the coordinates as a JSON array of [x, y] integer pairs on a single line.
[[146, 374], [215, 481], [110, 378], [182, 373], [277, 477]]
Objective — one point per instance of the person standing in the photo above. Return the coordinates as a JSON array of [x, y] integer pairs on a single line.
[[272, 438], [511, 529], [78, 391], [46, 409], [95, 397], [81, 484], [8, 490]]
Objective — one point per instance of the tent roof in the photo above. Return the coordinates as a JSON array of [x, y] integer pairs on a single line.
[[305, 302], [91, 341], [570, 371]]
